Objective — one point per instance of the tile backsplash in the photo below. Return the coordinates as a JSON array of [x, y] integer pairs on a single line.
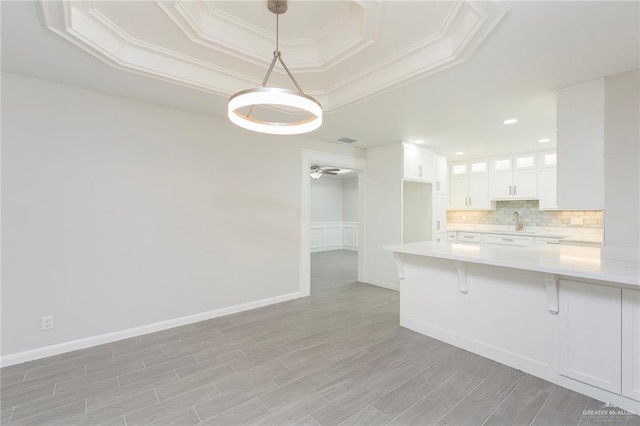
[[529, 214]]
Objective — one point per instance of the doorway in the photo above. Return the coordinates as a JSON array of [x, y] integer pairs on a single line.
[[357, 165], [334, 228]]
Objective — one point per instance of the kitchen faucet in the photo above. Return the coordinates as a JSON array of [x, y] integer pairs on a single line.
[[516, 218]]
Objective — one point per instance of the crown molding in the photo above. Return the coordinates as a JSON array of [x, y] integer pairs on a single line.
[[466, 26]]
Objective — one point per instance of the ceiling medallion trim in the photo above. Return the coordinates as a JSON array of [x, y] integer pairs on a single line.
[[248, 43], [463, 31]]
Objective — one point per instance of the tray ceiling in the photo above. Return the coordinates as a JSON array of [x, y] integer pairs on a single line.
[[340, 52]]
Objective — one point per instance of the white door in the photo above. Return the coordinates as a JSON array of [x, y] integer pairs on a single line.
[[458, 192], [525, 184], [590, 334], [547, 188], [631, 344], [479, 191], [501, 185]]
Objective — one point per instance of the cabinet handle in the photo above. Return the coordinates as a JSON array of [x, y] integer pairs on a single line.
[[510, 190], [438, 186], [469, 201], [437, 225], [514, 189], [420, 171], [467, 236], [507, 239]]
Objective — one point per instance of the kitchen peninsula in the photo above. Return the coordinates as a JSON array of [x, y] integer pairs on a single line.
[[562, 313]]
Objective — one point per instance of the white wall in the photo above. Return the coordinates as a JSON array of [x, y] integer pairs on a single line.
[[622, 162], [118, 213], [350, 199], [383, 213], [326, 199]]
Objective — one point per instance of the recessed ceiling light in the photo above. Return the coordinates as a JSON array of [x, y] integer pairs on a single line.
[[459, 152], [545, 140], [511, 121]]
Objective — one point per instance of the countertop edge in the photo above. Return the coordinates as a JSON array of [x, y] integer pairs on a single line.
[[630, 275]]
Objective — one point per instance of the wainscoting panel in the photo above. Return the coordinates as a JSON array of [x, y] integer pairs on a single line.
[[325, 236]]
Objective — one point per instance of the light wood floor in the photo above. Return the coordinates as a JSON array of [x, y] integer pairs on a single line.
[[337, 357]]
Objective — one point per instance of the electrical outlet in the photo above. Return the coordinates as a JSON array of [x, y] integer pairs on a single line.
[[47, 322], [577, 221]]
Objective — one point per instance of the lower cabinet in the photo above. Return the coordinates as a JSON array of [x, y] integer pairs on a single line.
[[590, 334], [509, 240], [440, 237], [631, 344]]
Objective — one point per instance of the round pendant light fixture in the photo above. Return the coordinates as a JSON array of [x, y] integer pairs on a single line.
[[276, 96]]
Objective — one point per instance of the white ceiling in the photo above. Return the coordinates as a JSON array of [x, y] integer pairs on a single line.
[[447, 73]]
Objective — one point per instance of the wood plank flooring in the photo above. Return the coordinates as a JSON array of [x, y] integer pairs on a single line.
[[337, 357]]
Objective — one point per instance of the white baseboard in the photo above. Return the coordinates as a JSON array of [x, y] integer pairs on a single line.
[[390, 286], [87, 342]]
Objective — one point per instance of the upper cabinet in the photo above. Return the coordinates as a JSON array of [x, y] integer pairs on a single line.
[[424, 194], [419, 163], [514, 177], [547, 180], [580, 145], [469, 185], [441, 177]]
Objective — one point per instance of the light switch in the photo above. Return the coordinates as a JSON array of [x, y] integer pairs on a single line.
[[291, 212]]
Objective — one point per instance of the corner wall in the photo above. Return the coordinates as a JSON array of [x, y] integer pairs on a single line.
[[622, 165], [119, 214], [383, 219]]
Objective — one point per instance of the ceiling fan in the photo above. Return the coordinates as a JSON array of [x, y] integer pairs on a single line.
[[316, 171]]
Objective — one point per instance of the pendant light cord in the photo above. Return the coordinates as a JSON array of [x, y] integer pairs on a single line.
[[277, 57]]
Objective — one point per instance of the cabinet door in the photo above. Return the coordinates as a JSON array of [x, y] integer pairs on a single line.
[[410, 159], [440, 237], [525, 184], [440, 183], [479, 191], [439, 214], [426, 165], [501, 185], [631, 344], [590, 334], [458, 192], [547, 189]]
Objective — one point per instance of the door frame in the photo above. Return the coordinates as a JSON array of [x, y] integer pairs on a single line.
[[307, 158]]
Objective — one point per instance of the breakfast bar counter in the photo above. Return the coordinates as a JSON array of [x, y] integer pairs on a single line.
[[558, 312]]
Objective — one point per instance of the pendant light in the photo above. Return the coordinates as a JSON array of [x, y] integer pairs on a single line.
[[263, 95]]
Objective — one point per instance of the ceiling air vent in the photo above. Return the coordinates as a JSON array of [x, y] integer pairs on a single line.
[[347, 140]]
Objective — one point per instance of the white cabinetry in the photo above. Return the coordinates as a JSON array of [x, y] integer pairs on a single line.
[[547, 180], [439, 214], [469, 237], [508, 240], [441, 175], [514, 177], [581, 147], [469, 186], [418, 163], [548, 240], [424, 195], [631, 344], [590, 334]]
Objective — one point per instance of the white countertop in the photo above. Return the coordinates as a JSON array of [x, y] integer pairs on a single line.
[[573, 261], [579, 235]]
